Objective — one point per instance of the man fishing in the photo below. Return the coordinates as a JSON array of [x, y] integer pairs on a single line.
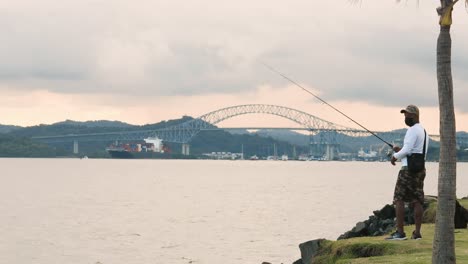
[[410, 183]]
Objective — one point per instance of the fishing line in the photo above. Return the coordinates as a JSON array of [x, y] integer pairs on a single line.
[[323, 101]]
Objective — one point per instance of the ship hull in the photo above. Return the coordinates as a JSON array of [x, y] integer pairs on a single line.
[[115, 154]]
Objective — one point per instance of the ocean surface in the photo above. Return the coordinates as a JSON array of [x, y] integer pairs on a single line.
[[185, 211]]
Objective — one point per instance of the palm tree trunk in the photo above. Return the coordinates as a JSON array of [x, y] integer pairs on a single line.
[[444, 240]]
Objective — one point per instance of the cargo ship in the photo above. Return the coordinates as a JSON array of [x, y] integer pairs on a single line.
[[151, 148]]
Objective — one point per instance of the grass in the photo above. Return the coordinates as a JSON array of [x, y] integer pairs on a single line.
[[464, 203], [430, 212], [378, 250]]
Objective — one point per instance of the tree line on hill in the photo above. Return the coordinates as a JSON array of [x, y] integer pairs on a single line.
[[16, 141], [13, 146]]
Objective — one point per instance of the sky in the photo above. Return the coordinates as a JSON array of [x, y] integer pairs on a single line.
[[147, 61]]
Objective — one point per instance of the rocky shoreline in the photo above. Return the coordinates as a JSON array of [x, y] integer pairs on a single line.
[[382, 222]]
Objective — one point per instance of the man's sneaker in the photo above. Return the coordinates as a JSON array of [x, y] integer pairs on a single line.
[[414, 236], [397, 236]]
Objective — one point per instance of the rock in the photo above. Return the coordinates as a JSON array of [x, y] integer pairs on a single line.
[[376, 225], [309, 249], [360, 228], [387, 212], [377, 233], [388, 222], [461, 216], [383, 220], [345, 235]]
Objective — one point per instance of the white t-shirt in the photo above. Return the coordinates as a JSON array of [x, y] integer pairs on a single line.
[[413, 143]]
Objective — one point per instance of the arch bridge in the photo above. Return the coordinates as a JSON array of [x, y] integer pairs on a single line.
[[184, 132]]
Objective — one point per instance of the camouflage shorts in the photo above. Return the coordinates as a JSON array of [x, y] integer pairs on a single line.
[[410, 186]]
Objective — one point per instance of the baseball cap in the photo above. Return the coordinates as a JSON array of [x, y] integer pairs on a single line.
[[411, 109]]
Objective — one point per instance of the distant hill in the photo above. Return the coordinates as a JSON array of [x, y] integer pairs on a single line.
[[11, 146], [304, 139], [260, 143], [88, 127], [286, 135], [347, 144], [204, 142], [97, 123], [7, 128]]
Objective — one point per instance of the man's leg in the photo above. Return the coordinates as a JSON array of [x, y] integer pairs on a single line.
[[399, 196], [418, 202], [400, 215], [418, 213]]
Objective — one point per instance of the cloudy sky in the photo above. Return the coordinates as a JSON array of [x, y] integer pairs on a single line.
[[147, 61]]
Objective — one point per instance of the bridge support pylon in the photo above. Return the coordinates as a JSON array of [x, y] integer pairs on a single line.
[[75, 147], [330, 153], [185, 149]]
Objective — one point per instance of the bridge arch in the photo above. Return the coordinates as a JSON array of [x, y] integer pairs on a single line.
[[184, 132], [302, 118]]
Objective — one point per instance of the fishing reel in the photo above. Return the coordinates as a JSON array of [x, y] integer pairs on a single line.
[[390, 153]]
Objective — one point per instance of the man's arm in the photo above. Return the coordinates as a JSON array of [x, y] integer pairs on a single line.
[[408, 145]]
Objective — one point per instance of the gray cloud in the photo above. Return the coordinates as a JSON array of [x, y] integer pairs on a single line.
[[380, 65], [180, 48]]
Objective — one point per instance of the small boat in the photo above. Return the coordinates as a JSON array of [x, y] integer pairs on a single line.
[[254, 157]]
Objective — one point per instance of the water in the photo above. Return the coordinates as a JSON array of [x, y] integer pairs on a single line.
[[169, 211]]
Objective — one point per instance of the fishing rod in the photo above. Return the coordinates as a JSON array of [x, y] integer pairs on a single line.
[[323, 101]]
